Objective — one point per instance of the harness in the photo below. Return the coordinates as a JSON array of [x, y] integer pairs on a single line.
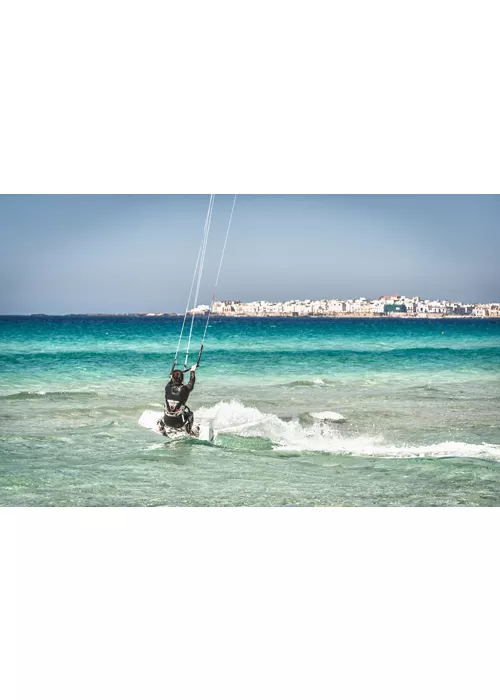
[[175, 408]]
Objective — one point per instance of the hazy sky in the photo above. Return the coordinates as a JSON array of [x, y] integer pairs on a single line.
[[134, 253]]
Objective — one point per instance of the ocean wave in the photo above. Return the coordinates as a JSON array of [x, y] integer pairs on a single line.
[[318, 381], [235, 418], [328, 416], [49, 395]]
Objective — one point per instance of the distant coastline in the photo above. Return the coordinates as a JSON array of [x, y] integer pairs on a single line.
[[394, 306], [242, 317]]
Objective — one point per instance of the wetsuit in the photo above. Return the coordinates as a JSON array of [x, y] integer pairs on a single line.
[[177, 414]]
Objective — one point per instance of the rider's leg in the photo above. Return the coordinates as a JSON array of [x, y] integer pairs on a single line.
[[189, 423]]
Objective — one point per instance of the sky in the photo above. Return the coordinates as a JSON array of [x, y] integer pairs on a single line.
[[136, 253]]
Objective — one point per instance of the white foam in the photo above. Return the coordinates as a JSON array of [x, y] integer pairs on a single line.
[[371, 447], [230, 414], [443, 449], [323, 436], [328, 415]]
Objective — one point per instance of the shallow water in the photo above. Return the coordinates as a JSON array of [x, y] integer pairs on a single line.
[[420, 398]]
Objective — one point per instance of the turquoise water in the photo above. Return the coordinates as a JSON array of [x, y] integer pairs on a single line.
[[420, 399]]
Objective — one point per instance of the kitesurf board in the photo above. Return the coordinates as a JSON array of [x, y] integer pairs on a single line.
[[149, 420]]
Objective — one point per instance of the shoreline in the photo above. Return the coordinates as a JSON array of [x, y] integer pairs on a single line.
[[260, 316], [371, 316]]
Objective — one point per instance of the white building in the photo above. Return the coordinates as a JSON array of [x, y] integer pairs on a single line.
[[360, 306]]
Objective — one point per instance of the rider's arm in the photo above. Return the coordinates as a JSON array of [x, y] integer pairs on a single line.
[[192, 378]]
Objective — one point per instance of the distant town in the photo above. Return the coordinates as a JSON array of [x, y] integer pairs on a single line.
[[393, 305]]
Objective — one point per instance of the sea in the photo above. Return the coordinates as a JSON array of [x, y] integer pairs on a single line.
[[307, 412]]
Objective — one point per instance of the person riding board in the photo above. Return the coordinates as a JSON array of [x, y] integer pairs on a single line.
[[176, 414]]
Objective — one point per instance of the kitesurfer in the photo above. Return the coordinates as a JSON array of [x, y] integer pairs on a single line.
[[177, 415]]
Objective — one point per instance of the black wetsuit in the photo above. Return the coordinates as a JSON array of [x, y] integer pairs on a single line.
[[177, 414]]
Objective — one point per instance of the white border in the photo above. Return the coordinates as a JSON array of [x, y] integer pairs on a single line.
[[361, 97]]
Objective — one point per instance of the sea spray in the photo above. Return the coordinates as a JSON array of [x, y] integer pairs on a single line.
[[248, 421]]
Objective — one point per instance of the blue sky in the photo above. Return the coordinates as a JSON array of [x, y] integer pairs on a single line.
[[136, 253]]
